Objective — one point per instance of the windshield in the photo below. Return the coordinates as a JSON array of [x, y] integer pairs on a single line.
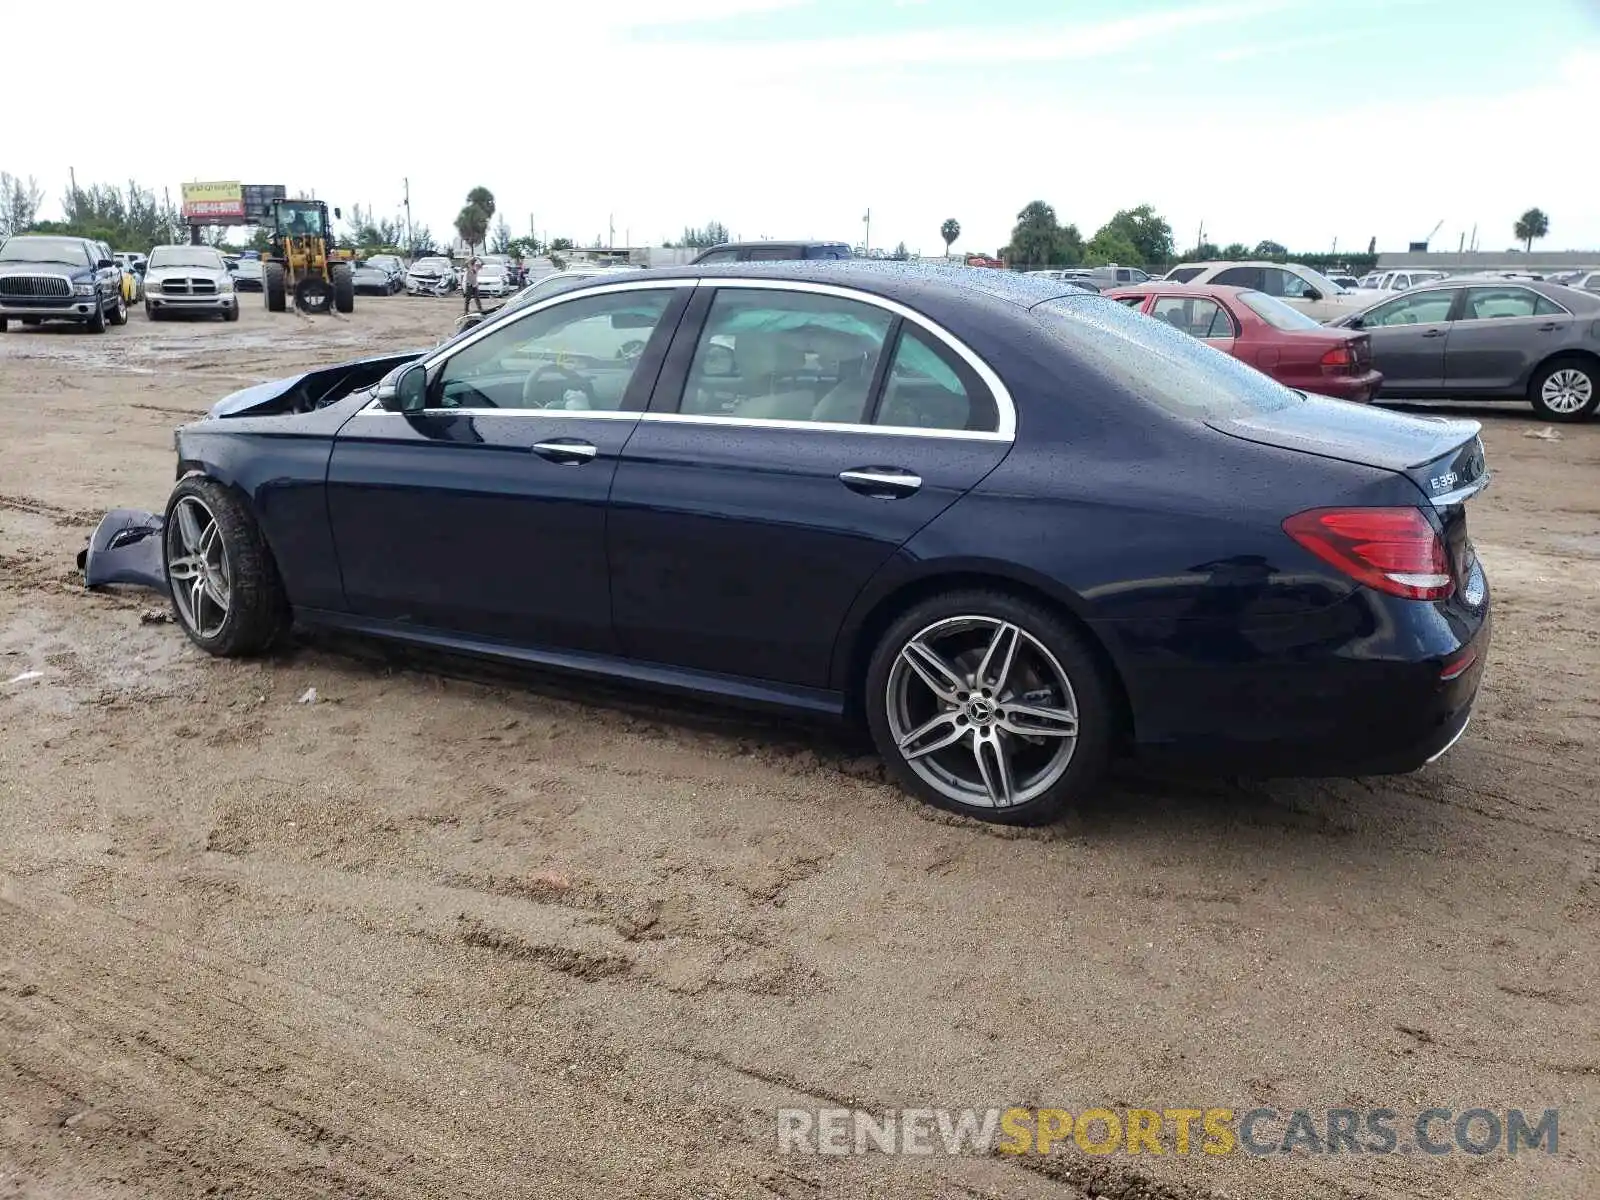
[[1320, 281], [300, 220], [186, 256], [247, 266], [45, 250], [1276, 313], [1156, 362]]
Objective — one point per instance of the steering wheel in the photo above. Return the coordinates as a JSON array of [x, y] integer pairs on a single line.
[[536, 388], [630, 351]]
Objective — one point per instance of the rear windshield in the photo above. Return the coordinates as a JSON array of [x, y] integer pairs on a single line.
[[1276, 313], [1159, 363]]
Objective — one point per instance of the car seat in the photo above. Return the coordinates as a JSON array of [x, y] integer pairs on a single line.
[[766, 363]]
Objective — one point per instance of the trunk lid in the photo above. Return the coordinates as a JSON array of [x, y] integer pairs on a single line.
[[1442, 456]]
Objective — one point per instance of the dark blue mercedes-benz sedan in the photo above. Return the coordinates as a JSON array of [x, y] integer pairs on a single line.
[[1012, 525]]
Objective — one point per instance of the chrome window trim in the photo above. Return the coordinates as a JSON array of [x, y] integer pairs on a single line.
[[1005, 406]]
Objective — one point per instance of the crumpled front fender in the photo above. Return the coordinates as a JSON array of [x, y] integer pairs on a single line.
[[125, 548]]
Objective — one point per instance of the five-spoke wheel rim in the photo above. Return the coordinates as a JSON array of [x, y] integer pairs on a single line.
[[197, 567], [982, 711], [1567, 390]]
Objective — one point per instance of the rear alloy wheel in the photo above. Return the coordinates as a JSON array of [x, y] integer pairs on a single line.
[[224, 585], [119, 314], [990, 706], [97, 319], [1565, 390]]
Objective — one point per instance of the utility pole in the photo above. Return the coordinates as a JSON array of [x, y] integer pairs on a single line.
[[1462, 244], [866, 242], [411, 242], [611, 230], [1200, 238], [1474, 236], [1335, 249]]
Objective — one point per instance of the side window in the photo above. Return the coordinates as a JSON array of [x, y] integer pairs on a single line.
[[785, 356], [769, 254], [580, 355], [1289, 285], [1243, 277], [1182, 274], [1487, 304], [1414, 308], [928, 387], [1131, 301], [721, 256], [1194, 315], [1545, 307]]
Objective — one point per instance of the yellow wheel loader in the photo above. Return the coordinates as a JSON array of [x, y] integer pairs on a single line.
[[301, 265]]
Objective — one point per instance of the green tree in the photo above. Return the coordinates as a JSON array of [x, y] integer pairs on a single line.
[[950, 231], [1204, 252], [1039, 240], [714, 234], [19, 203], [483, 198], [1270, 250], [1530, 225], [422, 243], [561, 244], [1143, 229], [1233, 251], [901, 254], [1110, 246], [501, 240], [472, 225]]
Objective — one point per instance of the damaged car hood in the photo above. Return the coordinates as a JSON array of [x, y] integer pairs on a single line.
[[311, 390]]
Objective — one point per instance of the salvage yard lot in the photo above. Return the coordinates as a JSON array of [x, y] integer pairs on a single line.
[[452, 932]]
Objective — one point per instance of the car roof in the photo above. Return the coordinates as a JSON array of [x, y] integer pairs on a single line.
[[1567, 297], [1156, 286], [780, 244], [907, 283]]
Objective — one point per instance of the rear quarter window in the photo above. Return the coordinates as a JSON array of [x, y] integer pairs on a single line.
[[1158, 363]]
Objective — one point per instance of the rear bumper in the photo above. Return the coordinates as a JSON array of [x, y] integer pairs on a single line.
[[1357, 388], [1381, 703]]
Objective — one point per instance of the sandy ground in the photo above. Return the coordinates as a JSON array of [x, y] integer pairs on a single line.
[[455, 934]]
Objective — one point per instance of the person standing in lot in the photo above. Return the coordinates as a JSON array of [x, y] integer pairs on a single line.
[[470, 291]]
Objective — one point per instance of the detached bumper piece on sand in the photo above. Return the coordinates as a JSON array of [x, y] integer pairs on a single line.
[[125, 548]]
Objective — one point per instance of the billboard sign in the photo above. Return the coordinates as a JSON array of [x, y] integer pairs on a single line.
[[212, 201], [258, 198]]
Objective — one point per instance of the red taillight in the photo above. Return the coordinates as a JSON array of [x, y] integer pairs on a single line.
[[1339, 359], [1394, 550]]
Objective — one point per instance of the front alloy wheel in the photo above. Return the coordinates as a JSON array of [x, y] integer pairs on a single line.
[[994, 709], [224, 584]]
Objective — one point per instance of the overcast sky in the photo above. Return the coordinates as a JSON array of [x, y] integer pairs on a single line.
[[1297, 120]]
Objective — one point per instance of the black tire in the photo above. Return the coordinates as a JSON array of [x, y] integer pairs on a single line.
[[31, 321], [1058, 786], [97, 319], [258, 611], [274, 287], [4, 324], [344, 289], [313, 294], [119, 311], [231, 313], [151, 312], [1581, 374]]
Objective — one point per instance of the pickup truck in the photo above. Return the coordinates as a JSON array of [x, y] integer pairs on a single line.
[[50, 278]]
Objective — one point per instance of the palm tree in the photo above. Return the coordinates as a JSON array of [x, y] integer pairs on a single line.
[[472, 224], [1531, 224], [482, 197], [950, 231]]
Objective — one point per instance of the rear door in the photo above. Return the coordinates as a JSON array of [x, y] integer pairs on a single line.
[[1498, 336], [484, 514], [1198, 316], [801, 434], [1408, 335]]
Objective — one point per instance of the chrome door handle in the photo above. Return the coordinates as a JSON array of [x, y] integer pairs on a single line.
[[881, 481], [1547, 327], [563, 451], [1433, 333]]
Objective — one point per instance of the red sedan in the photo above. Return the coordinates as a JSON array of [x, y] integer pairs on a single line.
[[1266, 333]]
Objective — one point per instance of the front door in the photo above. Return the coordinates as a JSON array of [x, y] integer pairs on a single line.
[[801, 434], [1408, 340], [1500, 333], [484, 513]]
